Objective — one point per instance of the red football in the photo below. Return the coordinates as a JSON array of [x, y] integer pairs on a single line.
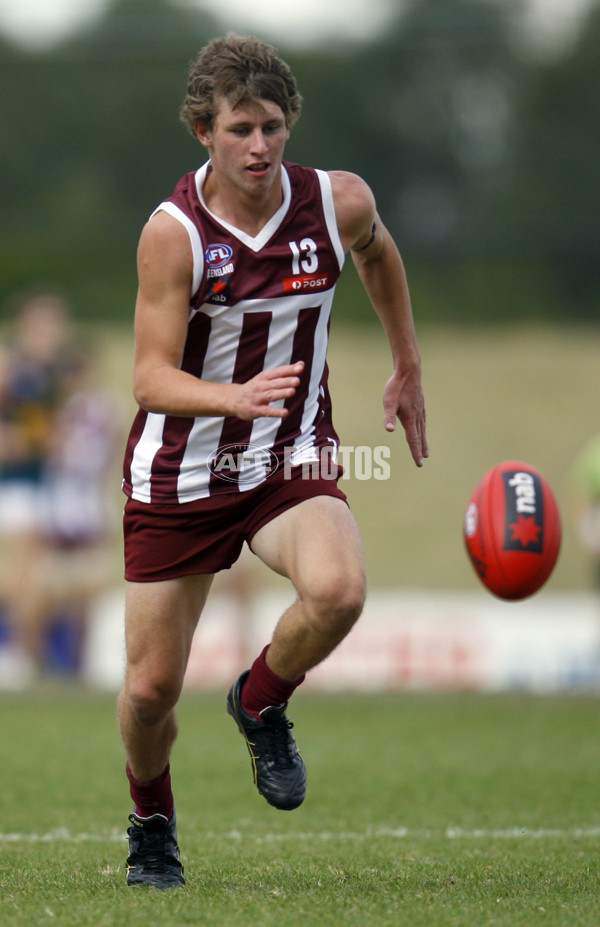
[[512, 530]]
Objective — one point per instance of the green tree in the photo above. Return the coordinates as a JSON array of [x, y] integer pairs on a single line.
[[94, 144], [550, 205]]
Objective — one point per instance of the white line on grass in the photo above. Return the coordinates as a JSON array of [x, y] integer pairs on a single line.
[[63, 835], [450, 833]]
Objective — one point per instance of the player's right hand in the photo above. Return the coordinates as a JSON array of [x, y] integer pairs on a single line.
[[256, 397]]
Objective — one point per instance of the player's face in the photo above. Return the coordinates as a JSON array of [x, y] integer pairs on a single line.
[[246, 145]]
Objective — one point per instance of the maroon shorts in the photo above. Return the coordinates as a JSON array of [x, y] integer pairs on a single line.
[[169, 541]]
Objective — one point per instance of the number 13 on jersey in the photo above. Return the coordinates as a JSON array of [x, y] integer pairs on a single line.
[[304, 256]]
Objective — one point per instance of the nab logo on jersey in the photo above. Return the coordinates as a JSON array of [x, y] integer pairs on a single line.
[[218, 254]]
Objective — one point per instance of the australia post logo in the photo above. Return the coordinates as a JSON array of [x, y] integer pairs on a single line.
[[306, 283], [524, 512], [242, 463]]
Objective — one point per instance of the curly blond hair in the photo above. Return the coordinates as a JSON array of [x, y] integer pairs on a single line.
[[238, 68]]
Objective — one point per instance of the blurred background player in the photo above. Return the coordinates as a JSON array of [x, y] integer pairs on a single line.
[[34, 361], [57, 434], [79, 522]]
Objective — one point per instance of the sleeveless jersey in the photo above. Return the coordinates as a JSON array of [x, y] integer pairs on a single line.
[[256, 303]]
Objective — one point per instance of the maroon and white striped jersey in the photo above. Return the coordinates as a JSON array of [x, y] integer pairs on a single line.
[[255, 303]]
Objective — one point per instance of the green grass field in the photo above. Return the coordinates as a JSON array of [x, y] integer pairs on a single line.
[[436, 810]]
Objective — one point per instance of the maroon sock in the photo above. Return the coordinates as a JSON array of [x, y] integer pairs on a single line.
[[153, 797], [263, 687]]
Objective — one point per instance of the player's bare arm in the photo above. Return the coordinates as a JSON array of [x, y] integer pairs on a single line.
[[161, 324], [381, 271]]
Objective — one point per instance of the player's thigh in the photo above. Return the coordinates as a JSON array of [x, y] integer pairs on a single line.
[[160, 620], [317, 544]]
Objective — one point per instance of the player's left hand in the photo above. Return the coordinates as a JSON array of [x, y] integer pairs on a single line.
[[403, 399]]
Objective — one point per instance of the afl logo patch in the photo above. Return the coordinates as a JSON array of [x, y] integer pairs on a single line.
[[218, 254]]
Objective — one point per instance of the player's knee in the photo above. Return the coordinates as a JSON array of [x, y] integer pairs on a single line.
[[151, 699], [336, 603]]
